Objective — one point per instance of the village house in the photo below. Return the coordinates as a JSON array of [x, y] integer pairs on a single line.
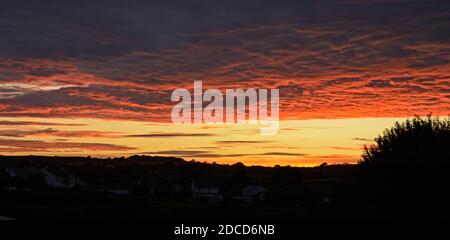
[[62, 179], [206, 190], [53, 178], [254, 193]]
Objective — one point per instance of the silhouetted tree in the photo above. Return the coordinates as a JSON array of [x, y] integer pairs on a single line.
[[406, 171], [414, 142]]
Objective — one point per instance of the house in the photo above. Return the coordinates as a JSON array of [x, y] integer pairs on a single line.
[[117, 187], [24, 172], [206, 190], [52, 178], [62, 179], [119, 191], [254, 193]]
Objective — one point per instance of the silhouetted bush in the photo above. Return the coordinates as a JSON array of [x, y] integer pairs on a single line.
[[414, 142], [406, 172]]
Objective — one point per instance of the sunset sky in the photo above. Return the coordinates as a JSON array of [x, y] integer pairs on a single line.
[[95, 77]]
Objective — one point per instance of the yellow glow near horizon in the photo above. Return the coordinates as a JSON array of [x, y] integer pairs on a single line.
[[298, 143]]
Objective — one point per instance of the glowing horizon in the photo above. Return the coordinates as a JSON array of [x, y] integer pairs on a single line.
[[299, 142]]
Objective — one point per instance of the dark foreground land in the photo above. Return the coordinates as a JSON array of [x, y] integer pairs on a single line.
[[163, 188]]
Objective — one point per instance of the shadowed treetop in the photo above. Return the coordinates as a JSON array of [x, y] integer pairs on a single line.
[[415, 142]]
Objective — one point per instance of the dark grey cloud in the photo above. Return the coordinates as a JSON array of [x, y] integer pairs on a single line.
[[93, 29]]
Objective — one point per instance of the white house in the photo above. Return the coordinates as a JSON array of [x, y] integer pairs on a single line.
[[62, 179], [53, 178]]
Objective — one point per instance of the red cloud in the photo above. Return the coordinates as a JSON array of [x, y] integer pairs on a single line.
[[341, 69]]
